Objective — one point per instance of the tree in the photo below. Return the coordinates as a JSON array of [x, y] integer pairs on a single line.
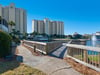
[[77, 36], [86, 36], [34, 33], [11, 23], [69, 37], [15, 36], [0, 17], [44, 34], [5, 44], [18, 32], [1, 20], [55, 35], [25, 35], [14, 31]]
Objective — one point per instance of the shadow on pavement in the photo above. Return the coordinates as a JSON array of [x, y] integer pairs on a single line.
[[61, 55], [8, 65]]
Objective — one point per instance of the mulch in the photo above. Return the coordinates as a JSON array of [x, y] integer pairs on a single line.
[[81, 68], [36, 53]]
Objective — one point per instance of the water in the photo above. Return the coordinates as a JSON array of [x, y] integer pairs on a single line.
[[95, 41], [93, 44], [44, 41]]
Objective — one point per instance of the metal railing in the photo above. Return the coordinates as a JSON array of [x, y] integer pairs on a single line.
[[86, 55]]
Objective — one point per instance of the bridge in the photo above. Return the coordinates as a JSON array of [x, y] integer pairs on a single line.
[[86, 55]]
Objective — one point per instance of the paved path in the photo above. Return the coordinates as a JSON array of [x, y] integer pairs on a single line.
[[47, 64], [59, 53]]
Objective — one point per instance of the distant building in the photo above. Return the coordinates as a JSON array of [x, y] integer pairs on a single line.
[[97, 33], [17, 15], [48, 27]]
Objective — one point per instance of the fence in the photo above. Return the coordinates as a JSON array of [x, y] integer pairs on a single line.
[[89, 56]]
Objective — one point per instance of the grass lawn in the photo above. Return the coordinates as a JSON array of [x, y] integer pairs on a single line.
[[94, 58], [15, 68]]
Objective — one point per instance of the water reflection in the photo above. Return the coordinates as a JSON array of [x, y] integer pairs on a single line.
[[93, 43], [96, 43], [95, 40]]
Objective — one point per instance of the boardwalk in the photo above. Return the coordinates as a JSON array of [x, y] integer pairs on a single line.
[[47, 64]]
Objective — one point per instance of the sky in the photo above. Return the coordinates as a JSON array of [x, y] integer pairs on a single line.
[[82, 16]]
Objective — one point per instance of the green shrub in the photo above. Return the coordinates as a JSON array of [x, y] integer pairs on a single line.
[[5, 44], [16, 40]]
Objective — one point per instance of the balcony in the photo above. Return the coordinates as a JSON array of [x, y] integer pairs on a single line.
[[3, 28]]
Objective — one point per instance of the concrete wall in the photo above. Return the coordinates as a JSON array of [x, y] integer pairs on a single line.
[[52, 46], [43, 47]]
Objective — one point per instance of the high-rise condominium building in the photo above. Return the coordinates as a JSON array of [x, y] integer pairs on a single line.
[[48, 27], [17, 15]]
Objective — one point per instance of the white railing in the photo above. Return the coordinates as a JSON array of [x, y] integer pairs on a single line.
[[86, 55], [38, 46]]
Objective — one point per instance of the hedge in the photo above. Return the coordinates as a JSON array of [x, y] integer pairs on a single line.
[[5, 44]]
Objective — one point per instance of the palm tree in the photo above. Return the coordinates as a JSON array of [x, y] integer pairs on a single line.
[[14, 32], [0, 17], [1, 20], [35, 33], [18, 33], [11, 23]]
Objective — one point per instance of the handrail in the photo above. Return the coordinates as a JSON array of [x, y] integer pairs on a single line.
[[70, 42], [84, 47], [86, 55], [36, 42]]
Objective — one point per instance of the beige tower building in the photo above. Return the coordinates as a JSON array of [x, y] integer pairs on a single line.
[[48, 27], [40, 27], [17, 15]]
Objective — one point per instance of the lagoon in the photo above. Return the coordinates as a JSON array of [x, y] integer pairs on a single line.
[[93, 44]]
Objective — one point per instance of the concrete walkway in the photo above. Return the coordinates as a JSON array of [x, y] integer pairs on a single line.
[[47, 64], [59, 53]]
